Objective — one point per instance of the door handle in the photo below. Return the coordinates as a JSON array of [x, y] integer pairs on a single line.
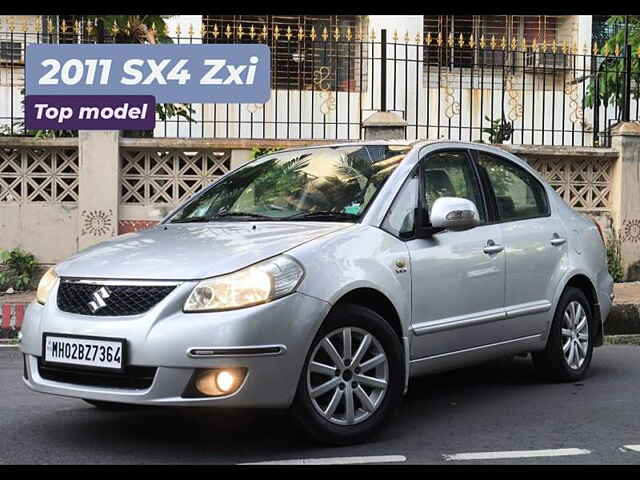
[[492, 248], [557, 240]]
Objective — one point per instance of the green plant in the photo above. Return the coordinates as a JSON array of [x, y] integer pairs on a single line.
[[609, 78], [137, 28], [18, 269], [499, 132], [614, 257], [259, 152]]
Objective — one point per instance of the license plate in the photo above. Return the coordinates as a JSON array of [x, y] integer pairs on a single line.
[[87, 352]]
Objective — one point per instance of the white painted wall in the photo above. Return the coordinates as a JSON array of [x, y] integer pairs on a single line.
[[50, 231]]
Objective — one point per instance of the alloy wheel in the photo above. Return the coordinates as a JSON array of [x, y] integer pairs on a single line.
[[347, 376], [575, 335]]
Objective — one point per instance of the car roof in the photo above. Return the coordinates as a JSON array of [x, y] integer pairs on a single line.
[[419, 143], [399, 142]]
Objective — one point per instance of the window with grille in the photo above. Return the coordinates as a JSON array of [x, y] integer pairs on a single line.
[[10, 52], [296, 62], [448, 28], [68, 29]]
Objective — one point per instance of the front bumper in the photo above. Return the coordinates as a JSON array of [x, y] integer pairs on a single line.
[[164, 336]]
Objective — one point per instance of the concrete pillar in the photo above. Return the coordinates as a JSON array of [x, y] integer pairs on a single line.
[[99, 186], [626, 195], [239, 157], [384, 126], [408, 71]]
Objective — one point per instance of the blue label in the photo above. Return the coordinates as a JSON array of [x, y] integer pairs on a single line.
[[171, 73]]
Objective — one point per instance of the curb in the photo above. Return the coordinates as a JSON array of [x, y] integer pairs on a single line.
[[622, 340], [624, 319]]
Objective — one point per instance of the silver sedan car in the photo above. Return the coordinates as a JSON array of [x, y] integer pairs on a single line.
[[323, 279]]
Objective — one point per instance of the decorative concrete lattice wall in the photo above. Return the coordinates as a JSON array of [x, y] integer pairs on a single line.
[[40, 196], [51, 189], [168, 177], [42, 175], [583, 182]]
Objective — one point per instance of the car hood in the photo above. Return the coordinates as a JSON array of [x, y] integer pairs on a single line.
[[191, 251]]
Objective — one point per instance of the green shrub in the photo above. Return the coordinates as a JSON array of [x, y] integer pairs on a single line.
[[18, 269], [614, 258], [499, 132], [259, 152]]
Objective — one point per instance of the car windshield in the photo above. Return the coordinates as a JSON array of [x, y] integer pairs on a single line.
[[332, 183]]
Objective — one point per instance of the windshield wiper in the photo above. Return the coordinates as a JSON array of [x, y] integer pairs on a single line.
[[191, 220], [204, 219], [322, 215], [242, 214]]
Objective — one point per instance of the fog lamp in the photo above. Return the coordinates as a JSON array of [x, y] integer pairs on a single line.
[[220, 381]]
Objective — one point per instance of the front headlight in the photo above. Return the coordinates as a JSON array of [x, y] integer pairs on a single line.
[[259, 283], [47, 282]]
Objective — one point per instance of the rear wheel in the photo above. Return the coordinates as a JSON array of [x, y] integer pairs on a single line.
[[569, 349], [352, 377]]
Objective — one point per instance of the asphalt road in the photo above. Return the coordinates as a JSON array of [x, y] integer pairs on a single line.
[[491, 409]]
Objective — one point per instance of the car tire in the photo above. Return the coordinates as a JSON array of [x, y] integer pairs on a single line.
[[110, 406], [556, 362], [358, 419]]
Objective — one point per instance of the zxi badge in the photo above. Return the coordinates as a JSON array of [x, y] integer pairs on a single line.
[[99, 296]]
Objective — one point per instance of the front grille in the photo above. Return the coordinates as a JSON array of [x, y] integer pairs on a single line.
[[133, 377], [120, 300]]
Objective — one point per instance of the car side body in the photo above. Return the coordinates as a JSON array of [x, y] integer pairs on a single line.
[[377, 282]]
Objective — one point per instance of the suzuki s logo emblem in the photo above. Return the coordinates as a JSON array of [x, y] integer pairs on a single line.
[[99, 297]]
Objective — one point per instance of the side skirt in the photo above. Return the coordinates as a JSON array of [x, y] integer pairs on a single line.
[[470, 356]]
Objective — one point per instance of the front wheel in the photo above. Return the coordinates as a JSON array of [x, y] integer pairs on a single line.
[[352, 377], [567, 355]]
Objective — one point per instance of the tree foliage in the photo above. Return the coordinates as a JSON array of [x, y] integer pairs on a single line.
[[610, 75]]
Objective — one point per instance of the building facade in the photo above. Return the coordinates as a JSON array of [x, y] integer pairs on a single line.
[[446, 75], [521, 81]]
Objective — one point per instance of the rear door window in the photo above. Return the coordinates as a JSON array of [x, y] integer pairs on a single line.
[[518, 194]]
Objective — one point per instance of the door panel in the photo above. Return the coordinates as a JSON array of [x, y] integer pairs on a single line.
[[458, 291], [457, 276], [535, 242], [534, 268]]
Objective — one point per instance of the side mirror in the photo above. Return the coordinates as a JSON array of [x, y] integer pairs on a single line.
[[454, 213]]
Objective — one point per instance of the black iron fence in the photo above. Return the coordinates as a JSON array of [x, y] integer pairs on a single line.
[[325, 83]]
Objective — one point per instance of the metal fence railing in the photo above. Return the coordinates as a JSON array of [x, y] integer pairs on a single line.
[[325, 84]]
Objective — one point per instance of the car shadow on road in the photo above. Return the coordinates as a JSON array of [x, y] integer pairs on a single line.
[[196, 435]]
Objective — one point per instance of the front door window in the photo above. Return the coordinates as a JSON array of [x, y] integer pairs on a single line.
[[449, 174]]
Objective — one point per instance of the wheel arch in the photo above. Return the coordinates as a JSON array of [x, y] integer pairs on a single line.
[[376, 301], [383, 306], [583, 283]]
